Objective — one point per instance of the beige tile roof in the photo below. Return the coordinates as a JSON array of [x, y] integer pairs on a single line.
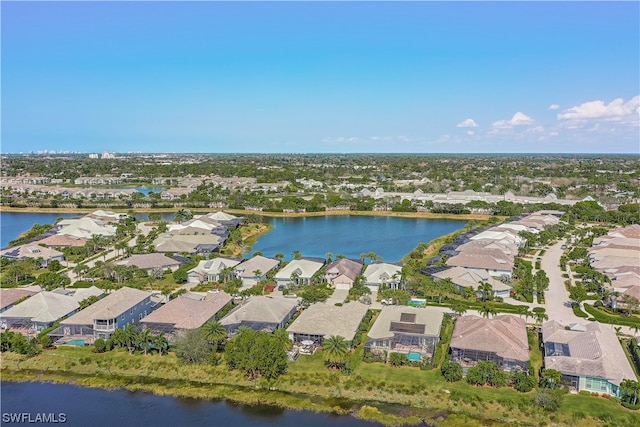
[[330, 320], [148, 261], [346, 267], [505, 335], [428, 317], [109, 307], [43, 307], [593, 350], [189, 311], [258, 262], [64, 240], [11, 295], [464, 277], [260, 309]]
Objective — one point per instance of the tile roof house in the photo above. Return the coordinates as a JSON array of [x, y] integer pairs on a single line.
[[62, 241], [342, 273], [10, 296], [32, 251], [260, 313], [383, 273], [321, 321], [189, 243], [39, 311], [150, 262], [471, 278], [400, 329], [493, 261], [210, 270], [188, 311], [299, 271], [502, 340], [115, 311], [589, 356], [255, 269]]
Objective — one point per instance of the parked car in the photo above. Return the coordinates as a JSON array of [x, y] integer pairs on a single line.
[[563, 247], [281, 288], [291, 296]]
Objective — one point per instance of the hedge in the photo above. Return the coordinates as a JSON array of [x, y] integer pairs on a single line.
[[606, 318], [578, 312], [635, 353]]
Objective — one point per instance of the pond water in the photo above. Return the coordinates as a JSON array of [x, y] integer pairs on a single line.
[[389, 237], [95, 407], [12, 224]]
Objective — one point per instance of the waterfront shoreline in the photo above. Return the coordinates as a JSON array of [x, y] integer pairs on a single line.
[[425, 215]]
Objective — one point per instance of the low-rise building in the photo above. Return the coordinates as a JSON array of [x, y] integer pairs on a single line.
[[406, 330], [260, 313], [212, 270], [32, 251], [383, 273], [150, 262], [186, 312], [589, 356], [342, 273], [321, 321], [299, 272], [502, 340], [255, 269]]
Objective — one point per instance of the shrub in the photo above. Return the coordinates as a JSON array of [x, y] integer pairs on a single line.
[[547, 400], [451, 371], [523, 383]]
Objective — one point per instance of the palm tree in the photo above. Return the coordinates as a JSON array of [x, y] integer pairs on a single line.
[[487, 309], [329, 256], [540, 315], [214, 332], [296, 254], [294, 277], [523, 310], [130, 337], [279, 256], [80, 270], [458, 307], [486, 290], [629, 389], [336, 351], [145, 340], [161, 343], [282, 337]]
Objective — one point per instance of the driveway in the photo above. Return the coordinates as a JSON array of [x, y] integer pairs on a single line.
[[557, 297]]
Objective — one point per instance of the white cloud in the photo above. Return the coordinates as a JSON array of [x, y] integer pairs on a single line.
[[554, 107], [616, 110], [518, 119], [470, 132], [468, 123]]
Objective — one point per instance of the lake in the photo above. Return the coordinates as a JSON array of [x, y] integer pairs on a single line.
[[12, 224], [96, 407], [390, 237], [350, 235]]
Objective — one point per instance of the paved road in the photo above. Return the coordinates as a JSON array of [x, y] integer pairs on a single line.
[[557, 297]]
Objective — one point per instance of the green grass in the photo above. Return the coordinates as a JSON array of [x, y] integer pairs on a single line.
[[535, 353], [578, 311], [604, 317]]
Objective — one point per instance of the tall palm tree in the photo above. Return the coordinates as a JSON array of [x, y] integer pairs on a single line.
[[130, 337], [486, 290], [161, 343], [458, 307], [336, 351], [214, 332], [487, 309], [630, 389], [282, 337], [145, 340]]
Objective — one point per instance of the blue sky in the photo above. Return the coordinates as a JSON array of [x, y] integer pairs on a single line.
[[422, 77]]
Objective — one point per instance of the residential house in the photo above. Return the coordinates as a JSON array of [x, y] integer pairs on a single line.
[[151, 262], [261, 313], [191, 244], [502, 340], [43, 309], [492, 261], [212, 270], [186, 312], [11, 296], [321, 321], [255, 269], [589, 356], [299, 272], [383, 273], [472, 278], [406, 330], [115, 311], [341, 273], [31, 251]]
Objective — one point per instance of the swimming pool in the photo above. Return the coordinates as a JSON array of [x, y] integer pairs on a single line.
[[414, 357], [76, 342]]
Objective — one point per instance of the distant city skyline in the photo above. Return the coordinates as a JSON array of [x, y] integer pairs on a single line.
[[326, 77]]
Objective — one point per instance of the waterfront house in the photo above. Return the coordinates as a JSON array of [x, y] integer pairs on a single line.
[[115, 311], [32, 251], [212, 270], [189, 243], [42, 310], [589, 356], [186, 312], [341, 273], [255, 269], [383, 273], [321, 321], [463, 278], [405, 330], [260, 313], [502, 340], [299, 272]]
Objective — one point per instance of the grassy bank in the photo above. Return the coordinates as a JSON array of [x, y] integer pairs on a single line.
[[372, 391]]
